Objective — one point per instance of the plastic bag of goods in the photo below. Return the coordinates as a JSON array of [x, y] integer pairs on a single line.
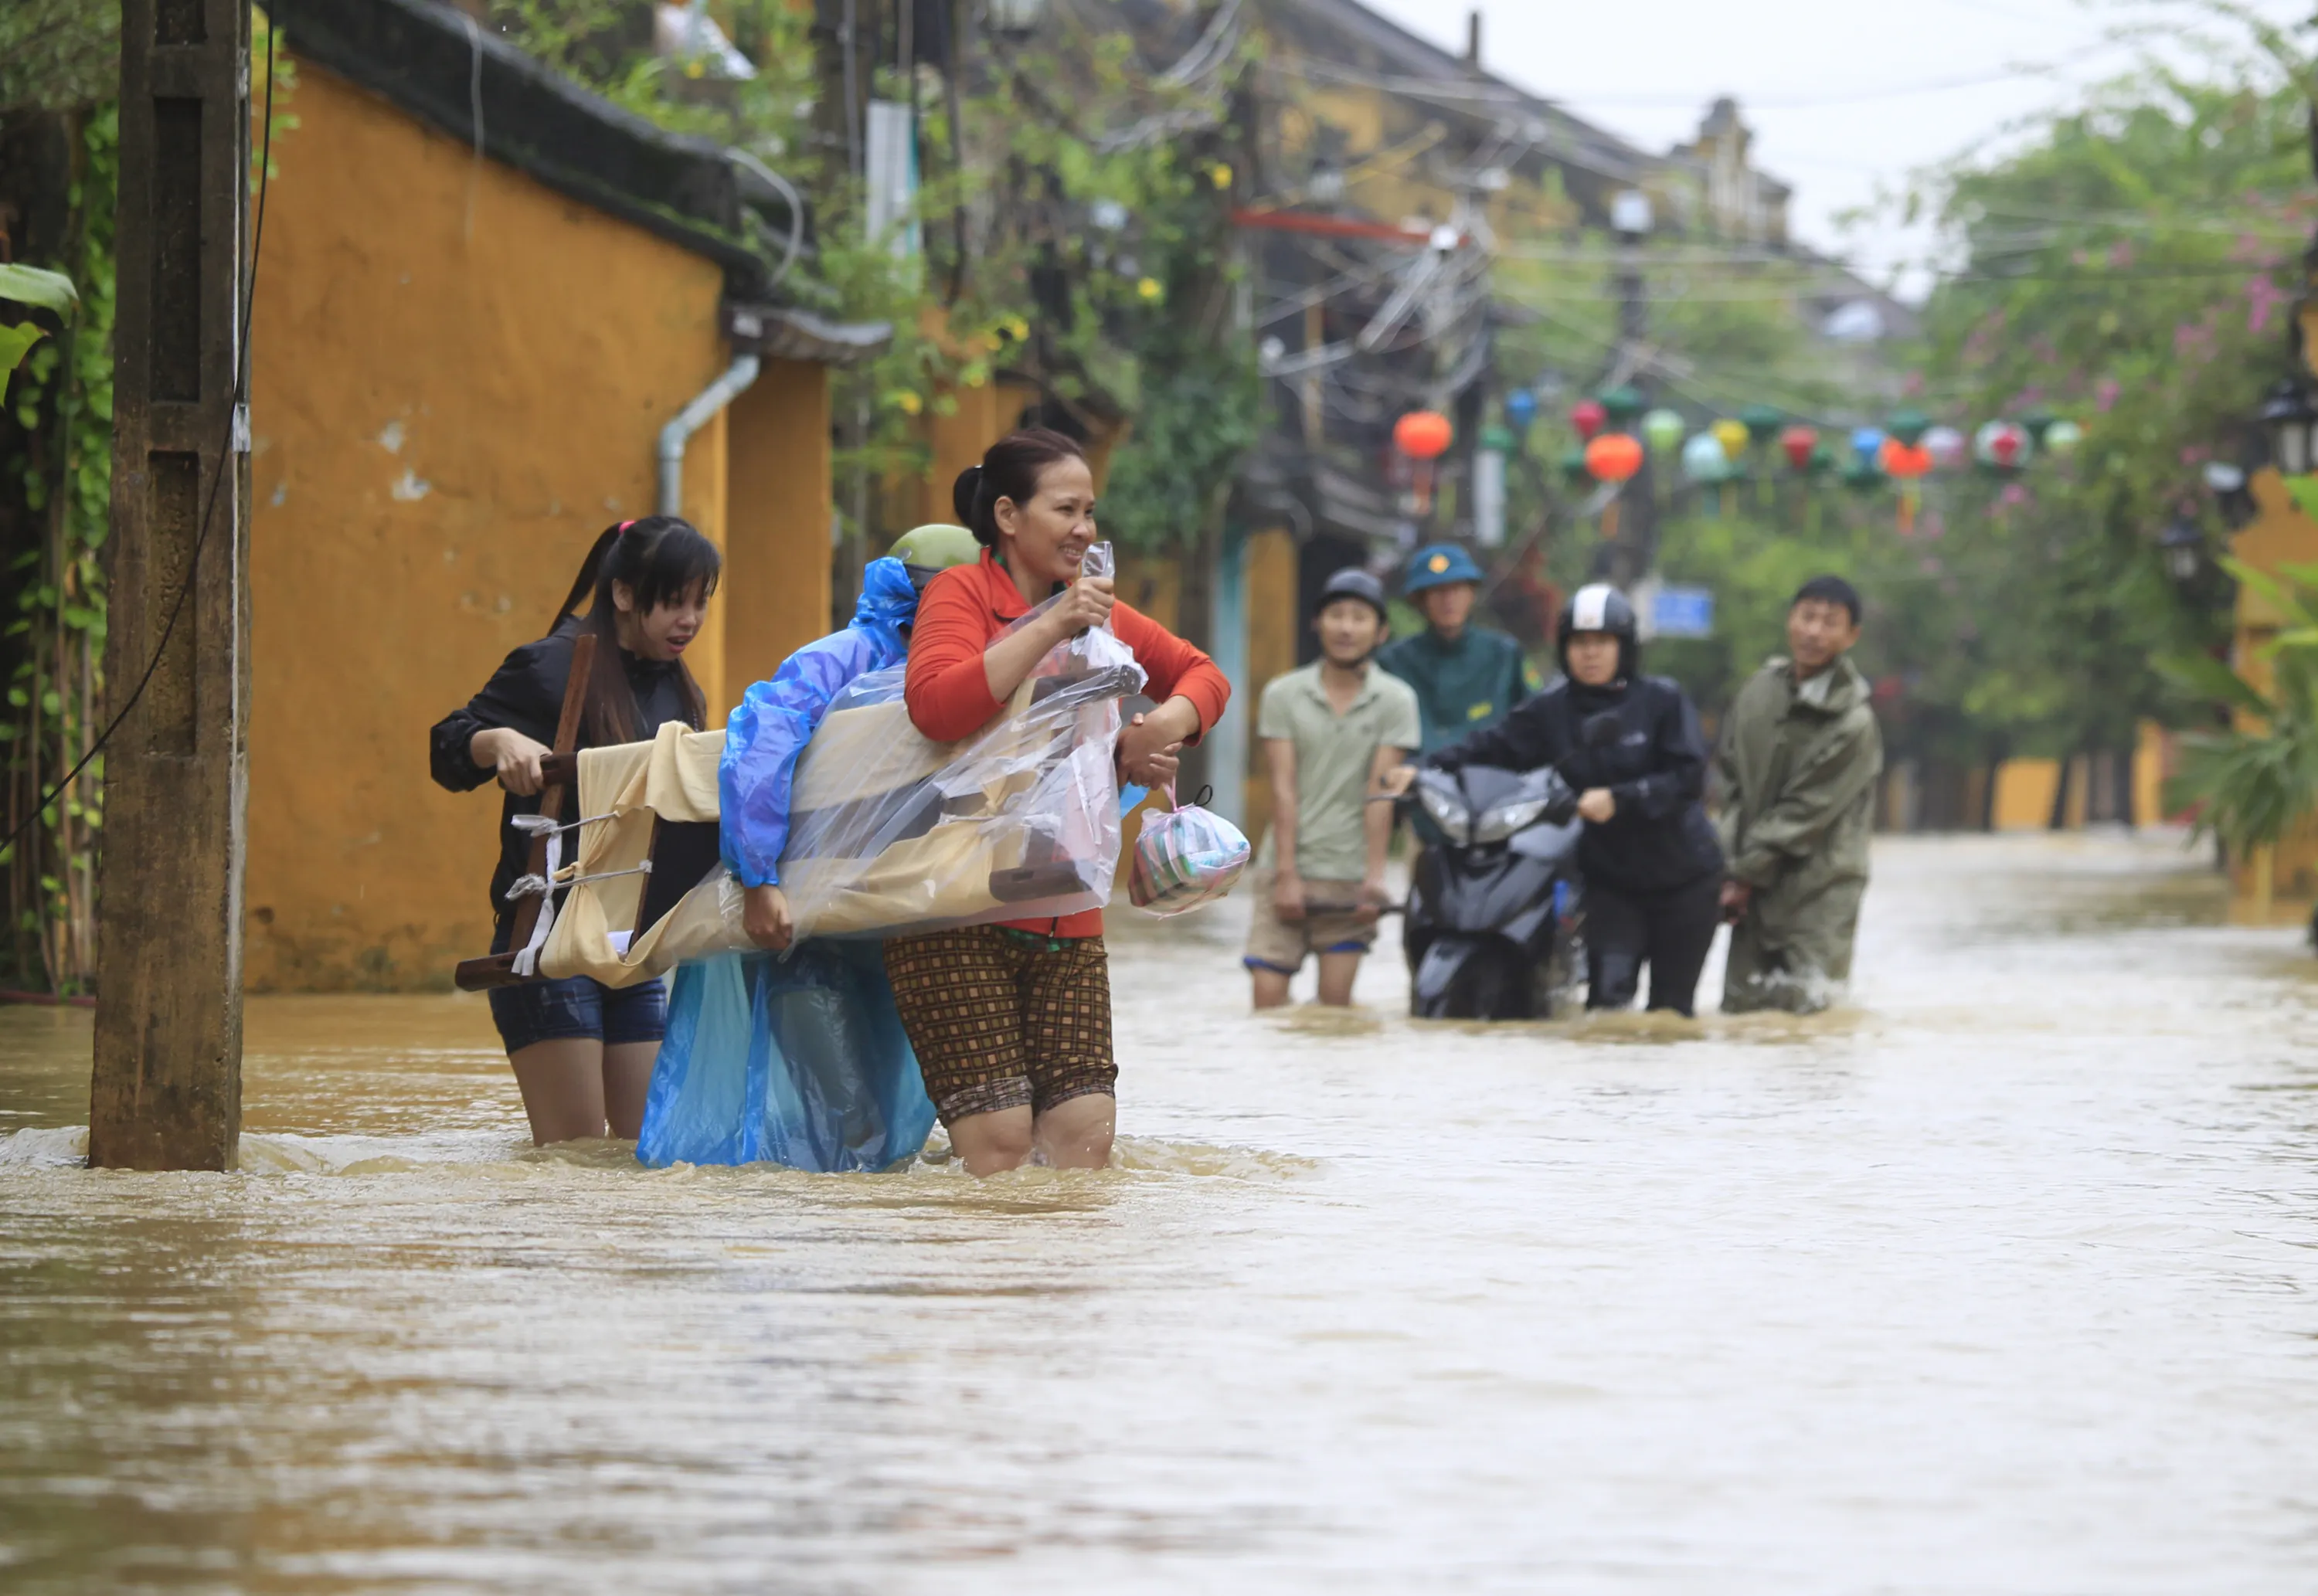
[[1183, 857]]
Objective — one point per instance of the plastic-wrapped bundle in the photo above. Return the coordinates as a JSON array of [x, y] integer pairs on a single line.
[[888, 832], [800, 1060], [1184, 856]]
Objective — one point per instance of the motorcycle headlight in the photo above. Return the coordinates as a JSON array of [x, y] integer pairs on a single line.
[[1497, 824], [1455, 821]]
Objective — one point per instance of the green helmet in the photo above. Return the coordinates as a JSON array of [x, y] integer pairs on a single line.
[[929, 550]]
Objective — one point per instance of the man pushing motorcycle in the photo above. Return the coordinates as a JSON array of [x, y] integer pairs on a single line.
[[1629, 746]]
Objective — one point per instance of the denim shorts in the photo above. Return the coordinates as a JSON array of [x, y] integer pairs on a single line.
[[550, 1010]]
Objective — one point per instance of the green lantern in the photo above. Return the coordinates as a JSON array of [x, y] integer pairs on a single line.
[[1622, 404], [1662, 430], [1762, 423], [1909, 427], [1822, 460], [2039, 421], [1573, 468], [1861, 477]]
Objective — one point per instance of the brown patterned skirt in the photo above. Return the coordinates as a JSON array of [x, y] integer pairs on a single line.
[[1004, 1019]]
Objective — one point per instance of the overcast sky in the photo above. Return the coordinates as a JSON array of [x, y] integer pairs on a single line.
[[1842, 95]]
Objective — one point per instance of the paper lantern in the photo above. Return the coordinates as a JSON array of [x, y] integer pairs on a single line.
[[1909, 427], [1587, 416], [1902, 464], [1732, 435], [1573, 468], [1861, 476], [1621, 404], [1866, 443], [1423, 434], [2062, 437], [2004, 445], [1663, 430], [1947, 447], [2036, 423], [1761, 422], [1704, 460], [1799, 443], [1614, 457], [1521, 409]]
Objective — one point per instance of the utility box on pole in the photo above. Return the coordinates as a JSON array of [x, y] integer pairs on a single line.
[[166, 1092]]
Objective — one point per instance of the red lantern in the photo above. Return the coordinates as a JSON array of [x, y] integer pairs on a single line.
[[1903, 463], [1614, 457], [1796, 443], [1588, 417], [1423, 434]]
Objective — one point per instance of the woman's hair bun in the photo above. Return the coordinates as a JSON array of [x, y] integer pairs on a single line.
[[962, 496]]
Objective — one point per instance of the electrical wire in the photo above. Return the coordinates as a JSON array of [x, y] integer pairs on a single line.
[[225, 457]]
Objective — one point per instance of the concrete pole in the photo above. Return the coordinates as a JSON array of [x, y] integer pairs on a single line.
[[166, 1092]]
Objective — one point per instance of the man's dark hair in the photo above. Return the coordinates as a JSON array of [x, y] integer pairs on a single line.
[[1832, 590]]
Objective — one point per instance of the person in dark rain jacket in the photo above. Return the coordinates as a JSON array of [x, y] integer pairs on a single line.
[[1629, 746], [582, 1053]]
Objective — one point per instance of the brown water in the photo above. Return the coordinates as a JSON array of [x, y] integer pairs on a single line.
[[2000, 1280]]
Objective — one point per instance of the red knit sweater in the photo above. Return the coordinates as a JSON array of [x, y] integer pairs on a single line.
[[964, 609]]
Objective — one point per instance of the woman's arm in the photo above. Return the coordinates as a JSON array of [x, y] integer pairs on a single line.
[[1678, 773], [959, 676], [495, 732]]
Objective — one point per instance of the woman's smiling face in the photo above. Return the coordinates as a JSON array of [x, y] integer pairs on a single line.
[[1046, 537]]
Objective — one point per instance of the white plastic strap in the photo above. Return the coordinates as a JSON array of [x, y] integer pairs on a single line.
[[526, 960]]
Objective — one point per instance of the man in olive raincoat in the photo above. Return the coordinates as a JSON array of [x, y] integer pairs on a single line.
[[1799, 755]]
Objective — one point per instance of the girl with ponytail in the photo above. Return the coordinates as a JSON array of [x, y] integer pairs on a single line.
[[583, 1052]]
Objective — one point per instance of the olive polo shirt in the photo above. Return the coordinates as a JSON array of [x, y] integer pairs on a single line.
[[1333, 755]]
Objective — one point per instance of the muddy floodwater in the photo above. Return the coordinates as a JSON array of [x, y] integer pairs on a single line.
[[2003, 1279]]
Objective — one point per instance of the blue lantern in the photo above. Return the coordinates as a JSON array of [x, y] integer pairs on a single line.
[[1521, 409], [1867, 443]]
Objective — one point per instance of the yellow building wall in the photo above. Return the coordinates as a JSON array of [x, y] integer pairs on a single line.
[[2024, 789], [458, 378], [2278, 535], [1271, 624], [776, 594]]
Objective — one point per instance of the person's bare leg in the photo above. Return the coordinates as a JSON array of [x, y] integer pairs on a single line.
[[562, 1083], [627, 1078], [1076, 1133], [1269, 988], [1338, 971], [993, 1143]]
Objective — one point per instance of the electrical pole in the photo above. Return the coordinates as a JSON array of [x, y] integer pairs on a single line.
[[166, 1089], [1631, 557]]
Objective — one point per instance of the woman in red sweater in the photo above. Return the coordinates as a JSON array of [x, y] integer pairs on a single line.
[[1011, 1023]]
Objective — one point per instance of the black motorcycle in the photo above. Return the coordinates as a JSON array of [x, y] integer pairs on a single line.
[[1490, 932]]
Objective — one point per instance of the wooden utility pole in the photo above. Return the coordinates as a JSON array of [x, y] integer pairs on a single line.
[[167, 1088]]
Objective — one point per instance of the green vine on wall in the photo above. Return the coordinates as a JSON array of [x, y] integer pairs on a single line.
[[61, 401]]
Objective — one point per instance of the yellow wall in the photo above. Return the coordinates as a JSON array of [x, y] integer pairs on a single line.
[[775, 597], [2023, 793], [2279, 536], [1271, 652], [458, 379]]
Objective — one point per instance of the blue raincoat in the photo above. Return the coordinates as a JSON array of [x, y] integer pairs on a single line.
[[798, 1058]]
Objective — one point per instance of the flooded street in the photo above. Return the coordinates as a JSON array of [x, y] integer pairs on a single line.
[[2004, 1279]]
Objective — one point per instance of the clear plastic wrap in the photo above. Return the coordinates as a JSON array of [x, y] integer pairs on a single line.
[[1184, 856], [888, 832], [799, 1060]]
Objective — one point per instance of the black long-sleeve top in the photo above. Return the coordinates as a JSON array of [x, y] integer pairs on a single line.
[[525, 695], [1641, 739]]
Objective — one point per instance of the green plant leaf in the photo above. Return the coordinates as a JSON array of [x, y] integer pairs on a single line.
[[14, 341], [2205, 676], [47, 291]]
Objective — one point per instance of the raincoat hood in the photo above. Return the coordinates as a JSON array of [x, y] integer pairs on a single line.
[[889, 604]]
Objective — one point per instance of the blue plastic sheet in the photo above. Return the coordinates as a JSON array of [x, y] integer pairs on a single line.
[[799, 1059]]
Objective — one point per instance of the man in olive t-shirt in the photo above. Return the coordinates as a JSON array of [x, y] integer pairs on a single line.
[[1330, 732]]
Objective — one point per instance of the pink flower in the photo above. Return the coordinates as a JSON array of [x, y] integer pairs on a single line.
[[2120, 256], [2105, 394], [2013, 496], [2196, 454], [2262, 297]]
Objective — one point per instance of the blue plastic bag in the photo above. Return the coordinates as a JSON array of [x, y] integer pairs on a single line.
[[799, 1060]]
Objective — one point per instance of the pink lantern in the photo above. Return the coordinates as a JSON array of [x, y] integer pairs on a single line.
[[1588, 417]]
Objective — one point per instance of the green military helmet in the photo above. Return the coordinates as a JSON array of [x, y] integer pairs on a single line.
[[929, 550]]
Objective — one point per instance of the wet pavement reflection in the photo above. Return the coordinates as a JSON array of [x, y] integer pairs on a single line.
[[2000, 1279]]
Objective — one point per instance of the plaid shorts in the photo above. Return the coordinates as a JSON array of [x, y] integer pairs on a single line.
[[1004, 1019]]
